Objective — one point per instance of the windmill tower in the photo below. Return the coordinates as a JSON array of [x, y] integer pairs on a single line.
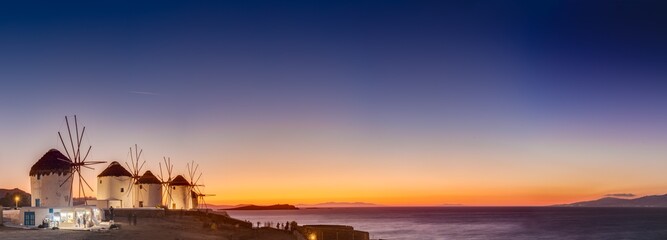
[[185, 194], [52, 177], [46, 176], [112, 187], [148, 191], [180, 197]]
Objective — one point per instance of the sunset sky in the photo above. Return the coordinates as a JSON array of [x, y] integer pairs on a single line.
[[390, 102]]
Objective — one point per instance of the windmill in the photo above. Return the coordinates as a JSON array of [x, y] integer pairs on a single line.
[[134, 167], [197, 193], [165, 180], [77, 162]]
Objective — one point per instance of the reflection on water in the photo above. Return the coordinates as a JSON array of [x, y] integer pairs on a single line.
[[483, 222]]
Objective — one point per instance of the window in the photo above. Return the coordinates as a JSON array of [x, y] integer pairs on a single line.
[[122, 189], [100, 181], [173, 188], [141, 186]]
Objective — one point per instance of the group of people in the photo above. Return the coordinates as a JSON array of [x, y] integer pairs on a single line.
[[83, 221], [286, 226]]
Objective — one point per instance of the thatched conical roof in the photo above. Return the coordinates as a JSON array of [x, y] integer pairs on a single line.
[[148, 178], [115, 170], [179, 181], [53, 162]]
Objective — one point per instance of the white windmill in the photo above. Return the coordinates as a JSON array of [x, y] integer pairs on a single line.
[[198, 201]]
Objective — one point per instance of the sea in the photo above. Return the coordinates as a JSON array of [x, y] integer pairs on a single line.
[[423, 223]]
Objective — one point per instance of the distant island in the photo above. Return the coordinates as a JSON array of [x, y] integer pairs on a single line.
[[338, 205], [646, 201], [452, 205], [271, 207]]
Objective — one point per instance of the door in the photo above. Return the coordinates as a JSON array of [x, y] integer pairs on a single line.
[[29, 219]]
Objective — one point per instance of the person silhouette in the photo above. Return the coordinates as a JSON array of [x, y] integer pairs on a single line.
[[111, 213]]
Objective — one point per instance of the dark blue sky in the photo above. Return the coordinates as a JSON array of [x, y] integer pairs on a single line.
[[358, 53], [382, 69]]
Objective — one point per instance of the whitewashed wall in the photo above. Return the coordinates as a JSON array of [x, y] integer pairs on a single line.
[[47, 188], [180, 196], [115, 188], [150, 194]]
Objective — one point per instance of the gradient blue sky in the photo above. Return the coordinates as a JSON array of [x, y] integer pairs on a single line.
[[480, 102]]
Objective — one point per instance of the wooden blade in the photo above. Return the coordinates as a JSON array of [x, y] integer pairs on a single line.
[[195, 183], [189, 172], [65, 147], [134, 173], [161, 177], [78, 142], [142, 166], [129, 188], [132, 159], [60, 159], [87, 152], [194, 172], [139, 156], [81, 138], [69, 132], [65, 181], [80, 185], [93, 162], [78, 149], [86, 182]]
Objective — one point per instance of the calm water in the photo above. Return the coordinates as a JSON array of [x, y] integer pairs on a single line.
[[483, 222]]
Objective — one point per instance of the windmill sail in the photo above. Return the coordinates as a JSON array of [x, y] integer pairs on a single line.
[[77, 162]]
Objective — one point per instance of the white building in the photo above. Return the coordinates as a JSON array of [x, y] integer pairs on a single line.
[[181, 194], [51, 181], [113, 187], [148, 191], [80, 217], [51, 185]]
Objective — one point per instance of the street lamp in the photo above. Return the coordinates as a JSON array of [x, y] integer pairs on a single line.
[[17, 199]]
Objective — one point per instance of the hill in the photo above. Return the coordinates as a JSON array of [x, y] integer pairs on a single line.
[[7, 197], [338, 205], [271, 207], [646, 201]]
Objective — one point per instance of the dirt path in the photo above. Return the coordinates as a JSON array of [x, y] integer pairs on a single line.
[[153, 229]]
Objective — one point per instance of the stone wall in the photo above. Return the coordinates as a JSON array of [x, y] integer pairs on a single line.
[[330, 232], [217, 217]]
